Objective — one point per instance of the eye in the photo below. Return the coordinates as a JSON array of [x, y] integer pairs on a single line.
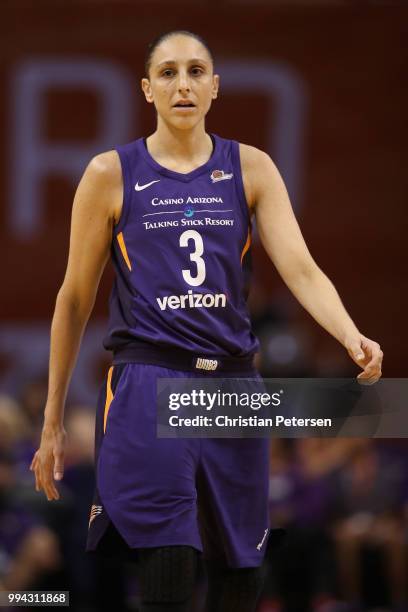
[[167, 73], [197, 70]]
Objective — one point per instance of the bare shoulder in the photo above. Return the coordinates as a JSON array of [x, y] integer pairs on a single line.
[[257, 167], [251, 156], [105, 166], [104, 177], [255, 162]]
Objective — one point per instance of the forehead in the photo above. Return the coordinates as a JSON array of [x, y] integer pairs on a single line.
[[179, 48]]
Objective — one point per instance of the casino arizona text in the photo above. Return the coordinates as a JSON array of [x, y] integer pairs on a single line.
[[188, 200]]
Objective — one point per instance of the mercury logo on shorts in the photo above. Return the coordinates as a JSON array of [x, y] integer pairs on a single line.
[[193, 300], [206, 364], [95, 511]]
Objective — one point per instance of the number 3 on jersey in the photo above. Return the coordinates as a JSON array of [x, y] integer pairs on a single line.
[[195, 256]]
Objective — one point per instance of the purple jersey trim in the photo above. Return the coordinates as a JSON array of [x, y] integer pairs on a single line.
[[185, 177], [127, 191], [239, 184]]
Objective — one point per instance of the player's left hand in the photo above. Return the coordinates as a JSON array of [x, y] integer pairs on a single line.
[[368, 355]]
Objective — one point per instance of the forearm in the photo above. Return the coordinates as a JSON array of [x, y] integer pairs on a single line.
[[67, 328], [318, 296]]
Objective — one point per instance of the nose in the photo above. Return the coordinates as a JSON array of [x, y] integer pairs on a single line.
[[183, 81]]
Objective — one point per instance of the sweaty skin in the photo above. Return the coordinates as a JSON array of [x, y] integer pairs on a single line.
[[181, 71]]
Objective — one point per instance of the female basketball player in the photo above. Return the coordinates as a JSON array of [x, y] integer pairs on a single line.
[[174, 210]]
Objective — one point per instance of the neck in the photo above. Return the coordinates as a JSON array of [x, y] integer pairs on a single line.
[[181, 144]]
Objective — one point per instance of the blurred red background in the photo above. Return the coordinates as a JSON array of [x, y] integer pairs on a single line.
[[320, 86]]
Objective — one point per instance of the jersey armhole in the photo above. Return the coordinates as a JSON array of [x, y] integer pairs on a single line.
[[239, 184], [126, 190]]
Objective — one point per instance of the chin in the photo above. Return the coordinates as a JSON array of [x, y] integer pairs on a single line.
[[184, 123]]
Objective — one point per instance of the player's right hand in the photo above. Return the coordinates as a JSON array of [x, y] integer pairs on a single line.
[[48, 460]]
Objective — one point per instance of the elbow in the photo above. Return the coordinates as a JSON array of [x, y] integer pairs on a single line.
[[67, 297], [74, 302], [305, 273]]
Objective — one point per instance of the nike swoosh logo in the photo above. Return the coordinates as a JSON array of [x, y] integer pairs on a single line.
[[141, 187]]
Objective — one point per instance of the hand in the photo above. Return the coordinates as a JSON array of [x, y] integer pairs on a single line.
[[48, 460], [367, 354]]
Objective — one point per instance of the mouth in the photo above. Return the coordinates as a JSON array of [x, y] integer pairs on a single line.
[[184, 105]]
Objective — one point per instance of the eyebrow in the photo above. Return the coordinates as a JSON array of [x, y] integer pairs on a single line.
[[192, 61]]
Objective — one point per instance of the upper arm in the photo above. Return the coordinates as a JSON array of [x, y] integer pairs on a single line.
[[276, 222], [95, 208]]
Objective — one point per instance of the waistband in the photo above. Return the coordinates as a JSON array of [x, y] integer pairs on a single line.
[[180, 359]]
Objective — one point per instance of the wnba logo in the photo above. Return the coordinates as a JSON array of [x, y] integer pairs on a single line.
[[206, 364]]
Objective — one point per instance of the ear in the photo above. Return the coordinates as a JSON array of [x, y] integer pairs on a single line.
[[147, 89], [216, 85]]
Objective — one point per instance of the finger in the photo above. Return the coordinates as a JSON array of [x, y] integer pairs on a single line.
[[37, 481], [367, 381], [371, 379], [51, 491], [374, 351], [374, 363], [58, 465], [357, 352], [372, 375], [40, 486], [43, 485], [368, 372], [54, 490], [46, 479], [371, 371], [41, 482], [34, 461]]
